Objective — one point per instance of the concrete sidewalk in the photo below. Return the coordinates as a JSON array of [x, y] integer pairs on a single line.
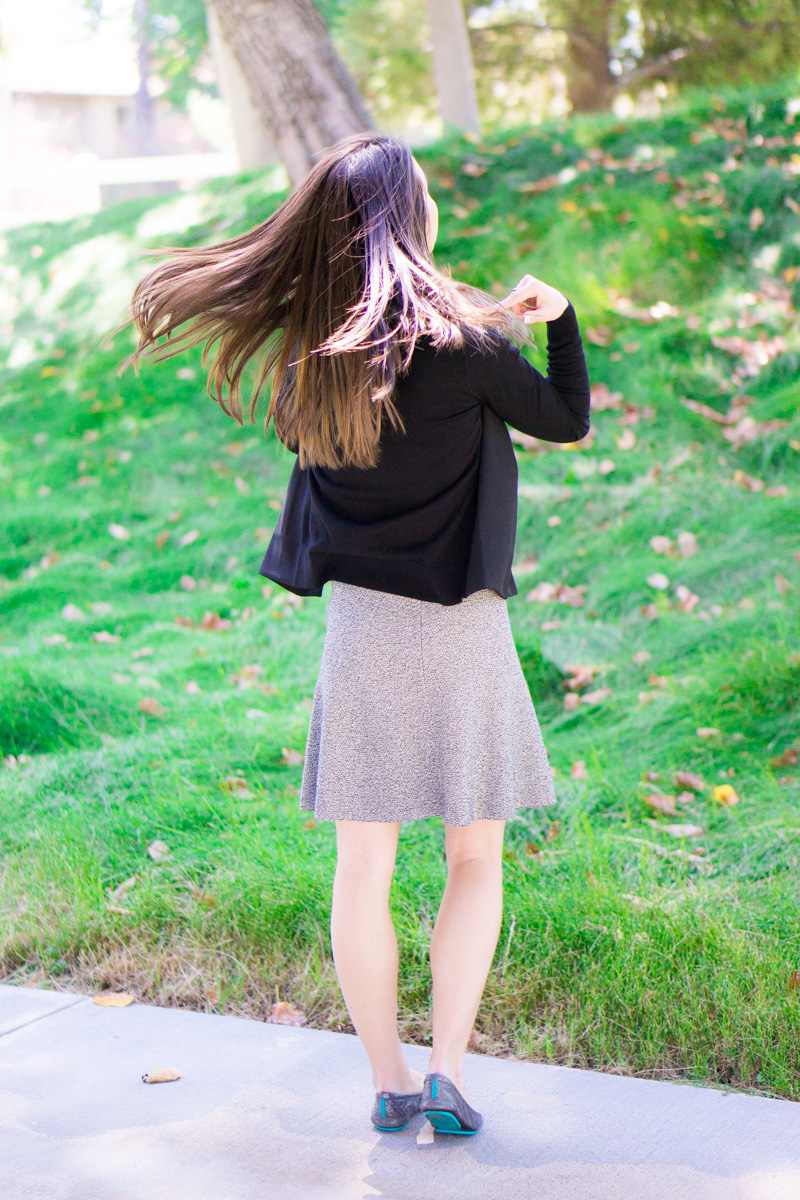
[[265, 1112]]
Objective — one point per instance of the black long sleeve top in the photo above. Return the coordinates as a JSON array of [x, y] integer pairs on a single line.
[[436, 518]]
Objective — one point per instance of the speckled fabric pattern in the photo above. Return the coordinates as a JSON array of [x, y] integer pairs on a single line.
[[421, 710]]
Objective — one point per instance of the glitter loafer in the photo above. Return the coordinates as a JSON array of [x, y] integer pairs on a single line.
[[445, 1107], [393, 1110]]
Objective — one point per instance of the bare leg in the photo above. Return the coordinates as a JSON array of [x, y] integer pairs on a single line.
[[464, 938], [365, 947]]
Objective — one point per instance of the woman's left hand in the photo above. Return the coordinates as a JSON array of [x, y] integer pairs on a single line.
[[534, 300]]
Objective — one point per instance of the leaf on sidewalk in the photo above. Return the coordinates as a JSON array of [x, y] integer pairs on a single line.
[[162, 1075], [284, 1013], [114, 999]]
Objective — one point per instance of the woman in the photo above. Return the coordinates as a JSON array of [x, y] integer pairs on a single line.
[[393, 385]]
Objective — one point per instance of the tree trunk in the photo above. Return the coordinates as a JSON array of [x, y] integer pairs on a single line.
[[590, 85], [452, 66], [142, 101], [254, 145], [297, 81]]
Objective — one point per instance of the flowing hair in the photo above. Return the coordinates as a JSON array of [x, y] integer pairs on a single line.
[[328, 296]]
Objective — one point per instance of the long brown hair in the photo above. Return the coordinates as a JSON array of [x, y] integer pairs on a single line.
[[328, 295]]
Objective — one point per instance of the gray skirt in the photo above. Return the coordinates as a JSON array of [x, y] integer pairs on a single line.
[[421, 710]]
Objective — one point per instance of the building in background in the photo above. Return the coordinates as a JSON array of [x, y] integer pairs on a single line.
[[68, 139]]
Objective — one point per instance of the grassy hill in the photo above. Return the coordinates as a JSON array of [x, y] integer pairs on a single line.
[[154, 698]]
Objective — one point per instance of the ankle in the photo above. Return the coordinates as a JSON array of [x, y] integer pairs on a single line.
[[452, 1068]]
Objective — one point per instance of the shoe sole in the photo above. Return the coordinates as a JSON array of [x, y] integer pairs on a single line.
[[447, 1122], [390, 1128]]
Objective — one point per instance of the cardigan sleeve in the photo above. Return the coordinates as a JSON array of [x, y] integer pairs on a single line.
[[554, 407]]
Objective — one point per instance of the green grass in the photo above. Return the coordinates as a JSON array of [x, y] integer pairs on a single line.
[[624, 947]]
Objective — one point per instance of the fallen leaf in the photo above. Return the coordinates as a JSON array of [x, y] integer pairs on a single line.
[[578, 770], [748, 482], [794, 979], [779, 490], [71, 612], [707, 731], [119, 532], [677, 831], [649, 612], [162, 539], [292, 758], [237, 787], [560, 593], [642, 656], [687, 544], [158, 850], [660, 544], [263, 534], [756, 219], [143, 652], [571, 701], [234, 449], [185, 621], [532, 849], [687, 779], [596, 697], [241, 485], [214, 622], [149, 705], [161, 1075], [724, 794], [174, 517], [685, 798], [581, 677], [188, 538], [192, 688], [553, 521], [102, 635], [602, 399], [114, 999], [55, 639], [686, 598], [789, 758], [658, 580], [284, 1013], [626, 440], [187, 583], [552, 832], [606, 466], [782, 584], [665, 804]]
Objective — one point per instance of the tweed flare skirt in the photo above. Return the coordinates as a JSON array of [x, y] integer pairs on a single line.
[[421, 710]]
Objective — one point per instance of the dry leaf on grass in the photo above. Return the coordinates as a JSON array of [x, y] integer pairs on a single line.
[[677, 831], [658, 580], [688, 779], [114, 999], [187, 538], [641, 656], [789, 758], [626, 440], [596, 697], [707, 731], [687, 600], [748, 482], [782, 585], [102, 635], [158, 850], [559, 593], [162, 1075], [237, 787], [602, 398], [214, 622], [292, 758], [119, 532], [149, 705], [571, 701], [284, 1013], [578, 770], [724, 794], [581, 677], [55, 639], [661, 545], [71, 612], [665, 804], [687, 544]]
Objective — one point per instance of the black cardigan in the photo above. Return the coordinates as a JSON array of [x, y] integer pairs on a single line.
[[436, 518]]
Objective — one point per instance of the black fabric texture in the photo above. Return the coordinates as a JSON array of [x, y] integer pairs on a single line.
[[436, 519]]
